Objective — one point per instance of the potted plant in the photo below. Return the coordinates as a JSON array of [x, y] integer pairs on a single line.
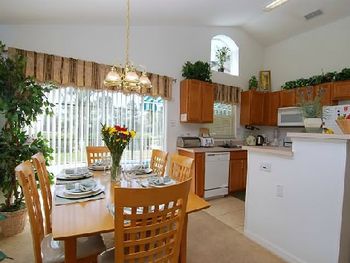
[[312, 109], [199, 70], [222, 55], [21, 101], [253, 83]]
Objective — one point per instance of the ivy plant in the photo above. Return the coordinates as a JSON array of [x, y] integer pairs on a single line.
[[22, 100]]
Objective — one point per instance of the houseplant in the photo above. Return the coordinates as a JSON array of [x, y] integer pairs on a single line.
[[311, 108], [199, 70], [253, 82], [21, 101], [222, 55], [116, 138]]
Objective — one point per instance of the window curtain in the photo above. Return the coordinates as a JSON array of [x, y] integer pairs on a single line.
[[226, 94], [82, 74]]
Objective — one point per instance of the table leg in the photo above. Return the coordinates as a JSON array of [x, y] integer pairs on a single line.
[[70, 250], [183, 245]]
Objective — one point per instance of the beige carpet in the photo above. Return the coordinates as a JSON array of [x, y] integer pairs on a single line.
[[209, 240]]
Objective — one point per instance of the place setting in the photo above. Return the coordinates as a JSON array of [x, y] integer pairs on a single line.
[[102, 164]]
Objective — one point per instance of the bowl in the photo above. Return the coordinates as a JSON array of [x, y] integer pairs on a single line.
[[344, 125]]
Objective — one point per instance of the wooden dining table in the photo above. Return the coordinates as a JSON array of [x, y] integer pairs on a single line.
[[71, 221]]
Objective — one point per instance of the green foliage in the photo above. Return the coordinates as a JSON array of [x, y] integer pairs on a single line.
[[311, 107], [222, 55], [318, 79], [199, 70], [21, 101], [253, 82]]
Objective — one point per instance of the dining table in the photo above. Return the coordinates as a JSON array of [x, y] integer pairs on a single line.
[[82, 219]]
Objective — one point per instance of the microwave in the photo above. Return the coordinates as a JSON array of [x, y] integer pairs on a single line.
[[290, 117]]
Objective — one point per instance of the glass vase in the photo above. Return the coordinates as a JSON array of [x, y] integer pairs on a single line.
[[116, 169]]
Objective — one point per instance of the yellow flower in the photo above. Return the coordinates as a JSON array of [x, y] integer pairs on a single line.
[[125, 141], [117, 139], [125, 132], [132, 133], [111, 130]]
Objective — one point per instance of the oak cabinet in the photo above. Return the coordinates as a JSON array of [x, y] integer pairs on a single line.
[[287, 98], [327, 93], [252, 107], [304, 93], [271, 105], [196, 101], [238, 171], [341, 90]]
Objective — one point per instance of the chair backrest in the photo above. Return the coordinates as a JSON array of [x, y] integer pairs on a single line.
[[44, 181], [180, 167], [149, 223], [26, 178], [158, 161], [94, 153]]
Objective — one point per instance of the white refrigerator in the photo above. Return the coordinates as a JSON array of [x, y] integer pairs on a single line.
[[331, 113]]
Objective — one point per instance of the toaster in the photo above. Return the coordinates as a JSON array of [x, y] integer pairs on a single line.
[[188, 142]]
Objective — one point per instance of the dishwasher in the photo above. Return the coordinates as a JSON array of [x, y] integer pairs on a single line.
[[216, 174]]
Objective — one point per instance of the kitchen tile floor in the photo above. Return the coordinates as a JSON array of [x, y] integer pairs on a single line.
[[229, 210]]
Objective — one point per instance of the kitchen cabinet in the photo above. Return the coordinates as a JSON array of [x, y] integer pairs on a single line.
[[238, 171], [327, 93], [341, 90], [287, 98], [304, 93], [271, 105], [196, 101], [252, 107]]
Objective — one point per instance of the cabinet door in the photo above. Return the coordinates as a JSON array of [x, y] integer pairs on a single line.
[[271, 105], [327, 93], [341, 90], [190, 101], [287, 98], [245, 108], [207, 102], [257, 108], [305, 93], [237, 181]]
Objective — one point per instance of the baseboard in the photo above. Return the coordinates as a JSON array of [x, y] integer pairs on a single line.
[[273, 248]]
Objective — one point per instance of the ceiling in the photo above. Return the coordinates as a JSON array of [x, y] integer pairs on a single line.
[[266, 27]]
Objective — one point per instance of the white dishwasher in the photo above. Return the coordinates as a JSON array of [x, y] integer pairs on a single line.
[[216, 174]]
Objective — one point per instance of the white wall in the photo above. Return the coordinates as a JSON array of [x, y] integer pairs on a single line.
[[306, 223], [325, 48], [162, 50]]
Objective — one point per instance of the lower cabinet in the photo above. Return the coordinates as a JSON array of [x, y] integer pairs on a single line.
[[238, 171]]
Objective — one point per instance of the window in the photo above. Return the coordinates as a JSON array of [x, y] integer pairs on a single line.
[[232, 65], [223, 125], [79, 114]]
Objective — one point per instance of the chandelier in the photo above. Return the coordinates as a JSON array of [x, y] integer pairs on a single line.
[[126, 78]]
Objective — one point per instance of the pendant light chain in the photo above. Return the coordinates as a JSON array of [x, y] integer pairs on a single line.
[[127, 32]]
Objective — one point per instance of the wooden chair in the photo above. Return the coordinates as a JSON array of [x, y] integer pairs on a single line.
[[45, 248], [95, 153], [180, 167], [148, 224], [158, 161]]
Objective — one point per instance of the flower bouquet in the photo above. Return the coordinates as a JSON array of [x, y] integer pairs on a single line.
[[116, 138]]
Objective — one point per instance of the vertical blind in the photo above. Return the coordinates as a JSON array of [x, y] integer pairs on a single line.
[[79, 113]]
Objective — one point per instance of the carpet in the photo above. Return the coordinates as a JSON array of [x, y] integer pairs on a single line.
[[210, 240]]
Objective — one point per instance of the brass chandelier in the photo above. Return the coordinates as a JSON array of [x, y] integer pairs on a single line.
[[126, 78]]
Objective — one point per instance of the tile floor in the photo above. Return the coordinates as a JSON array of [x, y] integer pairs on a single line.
[[229, 210]]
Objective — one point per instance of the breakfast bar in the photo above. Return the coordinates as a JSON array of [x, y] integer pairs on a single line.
[[297, 201]]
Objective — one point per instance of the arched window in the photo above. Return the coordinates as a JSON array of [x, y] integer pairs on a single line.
[[220, 42]]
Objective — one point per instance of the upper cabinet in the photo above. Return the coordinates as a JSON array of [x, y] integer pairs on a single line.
[[287, 98], [327, 93], [271, 105], [252, 107], [196, 101], [341, 90]]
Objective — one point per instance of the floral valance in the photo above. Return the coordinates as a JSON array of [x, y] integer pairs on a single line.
[[82, 74], [226, 94]]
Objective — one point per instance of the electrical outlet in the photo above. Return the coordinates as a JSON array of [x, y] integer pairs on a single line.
[[266, 167], [279, 190]]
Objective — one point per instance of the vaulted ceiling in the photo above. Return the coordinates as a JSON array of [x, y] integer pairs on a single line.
[[266, 27]]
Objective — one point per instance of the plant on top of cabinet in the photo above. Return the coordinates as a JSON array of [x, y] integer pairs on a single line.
[[253, 82], [199, 70], [343, 75], [222, 55]]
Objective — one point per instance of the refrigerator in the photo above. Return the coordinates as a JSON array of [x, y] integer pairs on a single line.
[[331, 113]]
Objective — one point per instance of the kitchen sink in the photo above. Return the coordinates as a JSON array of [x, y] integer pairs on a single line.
[[231, 146]]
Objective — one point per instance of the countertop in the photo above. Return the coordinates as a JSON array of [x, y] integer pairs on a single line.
[[318, 136], [209, 149], [285, 151]]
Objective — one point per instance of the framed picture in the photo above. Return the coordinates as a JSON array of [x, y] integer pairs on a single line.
[[265, 80]]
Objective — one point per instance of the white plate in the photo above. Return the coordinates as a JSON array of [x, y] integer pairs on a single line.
[[73, 177], [79, 192], [69, 195], [98, 168]]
